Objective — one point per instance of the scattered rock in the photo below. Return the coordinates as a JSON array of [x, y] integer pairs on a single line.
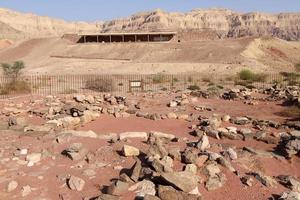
[[76, 183], [130, 151]]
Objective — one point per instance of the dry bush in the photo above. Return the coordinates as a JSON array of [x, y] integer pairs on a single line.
[[297, 67], [100, 85], [15, 87], [248, 75]]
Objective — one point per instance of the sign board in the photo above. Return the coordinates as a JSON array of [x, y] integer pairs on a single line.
[[136, 84]]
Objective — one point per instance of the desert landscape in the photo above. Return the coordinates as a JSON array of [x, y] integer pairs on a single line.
[[202, 105]]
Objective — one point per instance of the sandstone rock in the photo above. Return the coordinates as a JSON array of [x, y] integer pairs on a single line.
[[215, 182], [143, 188], [33, 158], [289, 182], [171, 115], [127, 135], [117, 188], [247, 180], [163, 136], [203, 143], [189, 156], [212, 169], [191, 168], [161, 166], [136, 170], [89, 116], [12, 185], [37, 128], [290, 196], [107, 197], [265, 180], [25, 191], [130, 151], [174, 153], [184, 181], [76, 183], [73, 133], [151, 197], [76, 151]]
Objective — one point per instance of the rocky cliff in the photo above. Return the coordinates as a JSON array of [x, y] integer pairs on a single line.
[[226, 22], [15, 25]]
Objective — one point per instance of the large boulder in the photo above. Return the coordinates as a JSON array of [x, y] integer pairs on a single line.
[[184, 181]]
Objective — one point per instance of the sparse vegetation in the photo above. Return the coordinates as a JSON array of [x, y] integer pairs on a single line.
[[193, 87], [158, 78], [248, 75], [14, 84], [100, 85]]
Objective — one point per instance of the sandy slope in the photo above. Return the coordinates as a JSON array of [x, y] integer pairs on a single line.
[[59, 56]]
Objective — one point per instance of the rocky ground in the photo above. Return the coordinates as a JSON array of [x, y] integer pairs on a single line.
[[234, 144]]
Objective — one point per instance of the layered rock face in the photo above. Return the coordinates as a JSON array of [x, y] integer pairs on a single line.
[[15, 24], [226, 22]]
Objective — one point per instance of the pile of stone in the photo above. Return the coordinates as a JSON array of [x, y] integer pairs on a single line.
[[234, 94], [288, 93], [290, 144]]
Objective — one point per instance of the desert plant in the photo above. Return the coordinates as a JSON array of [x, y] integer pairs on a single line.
[[158, 78], [193, 87], [248, 75], [13, 71], [14, 85], [100, 85]]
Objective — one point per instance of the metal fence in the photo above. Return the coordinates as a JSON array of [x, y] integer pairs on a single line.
[[69, 84]]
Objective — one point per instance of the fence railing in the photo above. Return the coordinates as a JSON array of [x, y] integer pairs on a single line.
[[68, 84]]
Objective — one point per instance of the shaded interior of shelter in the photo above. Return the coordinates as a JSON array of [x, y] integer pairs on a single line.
[[114, 38]]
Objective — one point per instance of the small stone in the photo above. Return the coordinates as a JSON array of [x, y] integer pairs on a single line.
[[76, 183], [192, 168], [12, 185], [33, 158], [129, 151], [247, 180], [25, 191], [117, 188]]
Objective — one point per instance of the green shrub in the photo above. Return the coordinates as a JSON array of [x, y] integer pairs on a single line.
[[248, 75], [190, 79], [175, 80], [193, 87], [15, 87], [100, 85], [158, 78]]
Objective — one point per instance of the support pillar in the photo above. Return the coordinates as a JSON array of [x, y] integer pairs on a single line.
[[97, 38], [123, 38], [135, 38], [110, 38], [84, 39], [148, 38]]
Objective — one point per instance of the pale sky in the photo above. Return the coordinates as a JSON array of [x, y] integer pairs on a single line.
[[96, 10]]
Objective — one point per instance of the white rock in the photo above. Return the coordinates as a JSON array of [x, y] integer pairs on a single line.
[[76, 183], [127, 135], [12, 185], [130, 151], [90, 134], [34, 158], [26, 190]]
